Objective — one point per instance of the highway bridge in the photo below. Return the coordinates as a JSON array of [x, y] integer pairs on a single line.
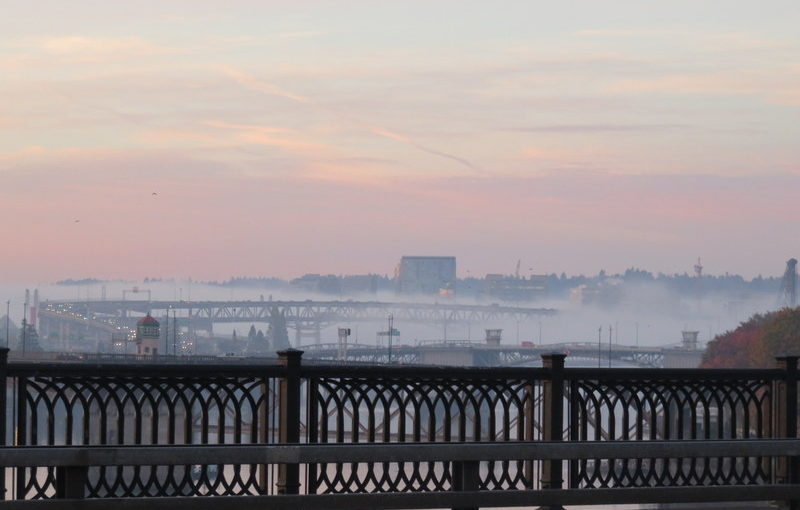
[[307, 318], [105, 318]]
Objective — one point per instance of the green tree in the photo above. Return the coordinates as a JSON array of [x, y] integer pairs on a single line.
[[28, 339], [278, 332], [258, 345]]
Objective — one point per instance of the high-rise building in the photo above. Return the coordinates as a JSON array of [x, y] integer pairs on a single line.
[[426, 275]]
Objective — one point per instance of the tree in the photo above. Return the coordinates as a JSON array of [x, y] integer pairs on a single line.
[[28, 339], [278, 333], [781, 335], [756, 343], [258, 345], [13, 332]]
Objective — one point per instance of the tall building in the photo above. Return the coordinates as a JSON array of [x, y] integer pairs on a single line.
[[426, 275]]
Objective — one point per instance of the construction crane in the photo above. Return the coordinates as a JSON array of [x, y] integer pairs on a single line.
[[788, 292]]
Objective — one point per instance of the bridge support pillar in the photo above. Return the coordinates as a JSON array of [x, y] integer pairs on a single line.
[[553, 419], [289, 418]]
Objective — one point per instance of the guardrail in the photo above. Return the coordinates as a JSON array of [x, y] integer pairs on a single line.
[[465, 459], [230, 406]]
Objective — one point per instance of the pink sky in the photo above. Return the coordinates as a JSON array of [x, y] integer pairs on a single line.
[[335, 137]]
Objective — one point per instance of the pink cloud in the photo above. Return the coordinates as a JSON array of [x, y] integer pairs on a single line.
[[210, 220]]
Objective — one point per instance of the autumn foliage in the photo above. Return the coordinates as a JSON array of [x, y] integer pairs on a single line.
[[755, 343]]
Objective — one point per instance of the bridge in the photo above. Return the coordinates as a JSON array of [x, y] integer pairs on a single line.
[[297, 433], [307, 318], [468, 353], [119, 317]]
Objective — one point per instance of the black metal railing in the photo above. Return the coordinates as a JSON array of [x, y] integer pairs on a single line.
[[291, 402], [466, 460]]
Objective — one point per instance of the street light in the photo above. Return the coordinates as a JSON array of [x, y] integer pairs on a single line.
[[24, 325], [391, 322]]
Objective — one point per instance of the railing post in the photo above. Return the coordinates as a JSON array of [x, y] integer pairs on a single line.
[[21, 433], [289, 417], [553, 417], [530, 431], [785, 425], [312, 428], [466, 477], [71, 482], [3, 414]]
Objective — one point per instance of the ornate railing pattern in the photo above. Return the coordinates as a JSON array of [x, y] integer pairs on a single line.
[[421, 408], [292, 402], [644, 406], [79, 408]]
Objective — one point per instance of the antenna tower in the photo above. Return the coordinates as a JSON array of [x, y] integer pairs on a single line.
[[698, 284], [698, 269], [788, 293]]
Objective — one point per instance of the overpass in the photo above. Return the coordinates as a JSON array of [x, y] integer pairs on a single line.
[[307, 318]]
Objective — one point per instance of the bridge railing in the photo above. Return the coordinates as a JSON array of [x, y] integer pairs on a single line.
[[73, 467], [288, 401]]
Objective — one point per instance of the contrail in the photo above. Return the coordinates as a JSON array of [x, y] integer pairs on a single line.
[[253, 83]]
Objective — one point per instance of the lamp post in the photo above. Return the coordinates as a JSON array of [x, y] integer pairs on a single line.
[[24, 325], [166, 334], [391, 322], [599, 346]]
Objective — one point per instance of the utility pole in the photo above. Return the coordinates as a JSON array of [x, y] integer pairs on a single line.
[[166, 334], [391, 322], [174, 332], [24, 325], [609, 346], [599, 346], [8, 308]]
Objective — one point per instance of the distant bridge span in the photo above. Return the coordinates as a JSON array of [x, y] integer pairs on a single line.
[[322, 312], [307, 318], [480, 354]]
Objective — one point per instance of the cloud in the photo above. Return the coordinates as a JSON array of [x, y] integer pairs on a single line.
[[274, 137], [599, 128], [251, 82], [777, 85], [96, 48], [632, 32], [568, 220]]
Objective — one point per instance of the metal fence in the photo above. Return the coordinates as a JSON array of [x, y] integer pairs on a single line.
[[289, 402]]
